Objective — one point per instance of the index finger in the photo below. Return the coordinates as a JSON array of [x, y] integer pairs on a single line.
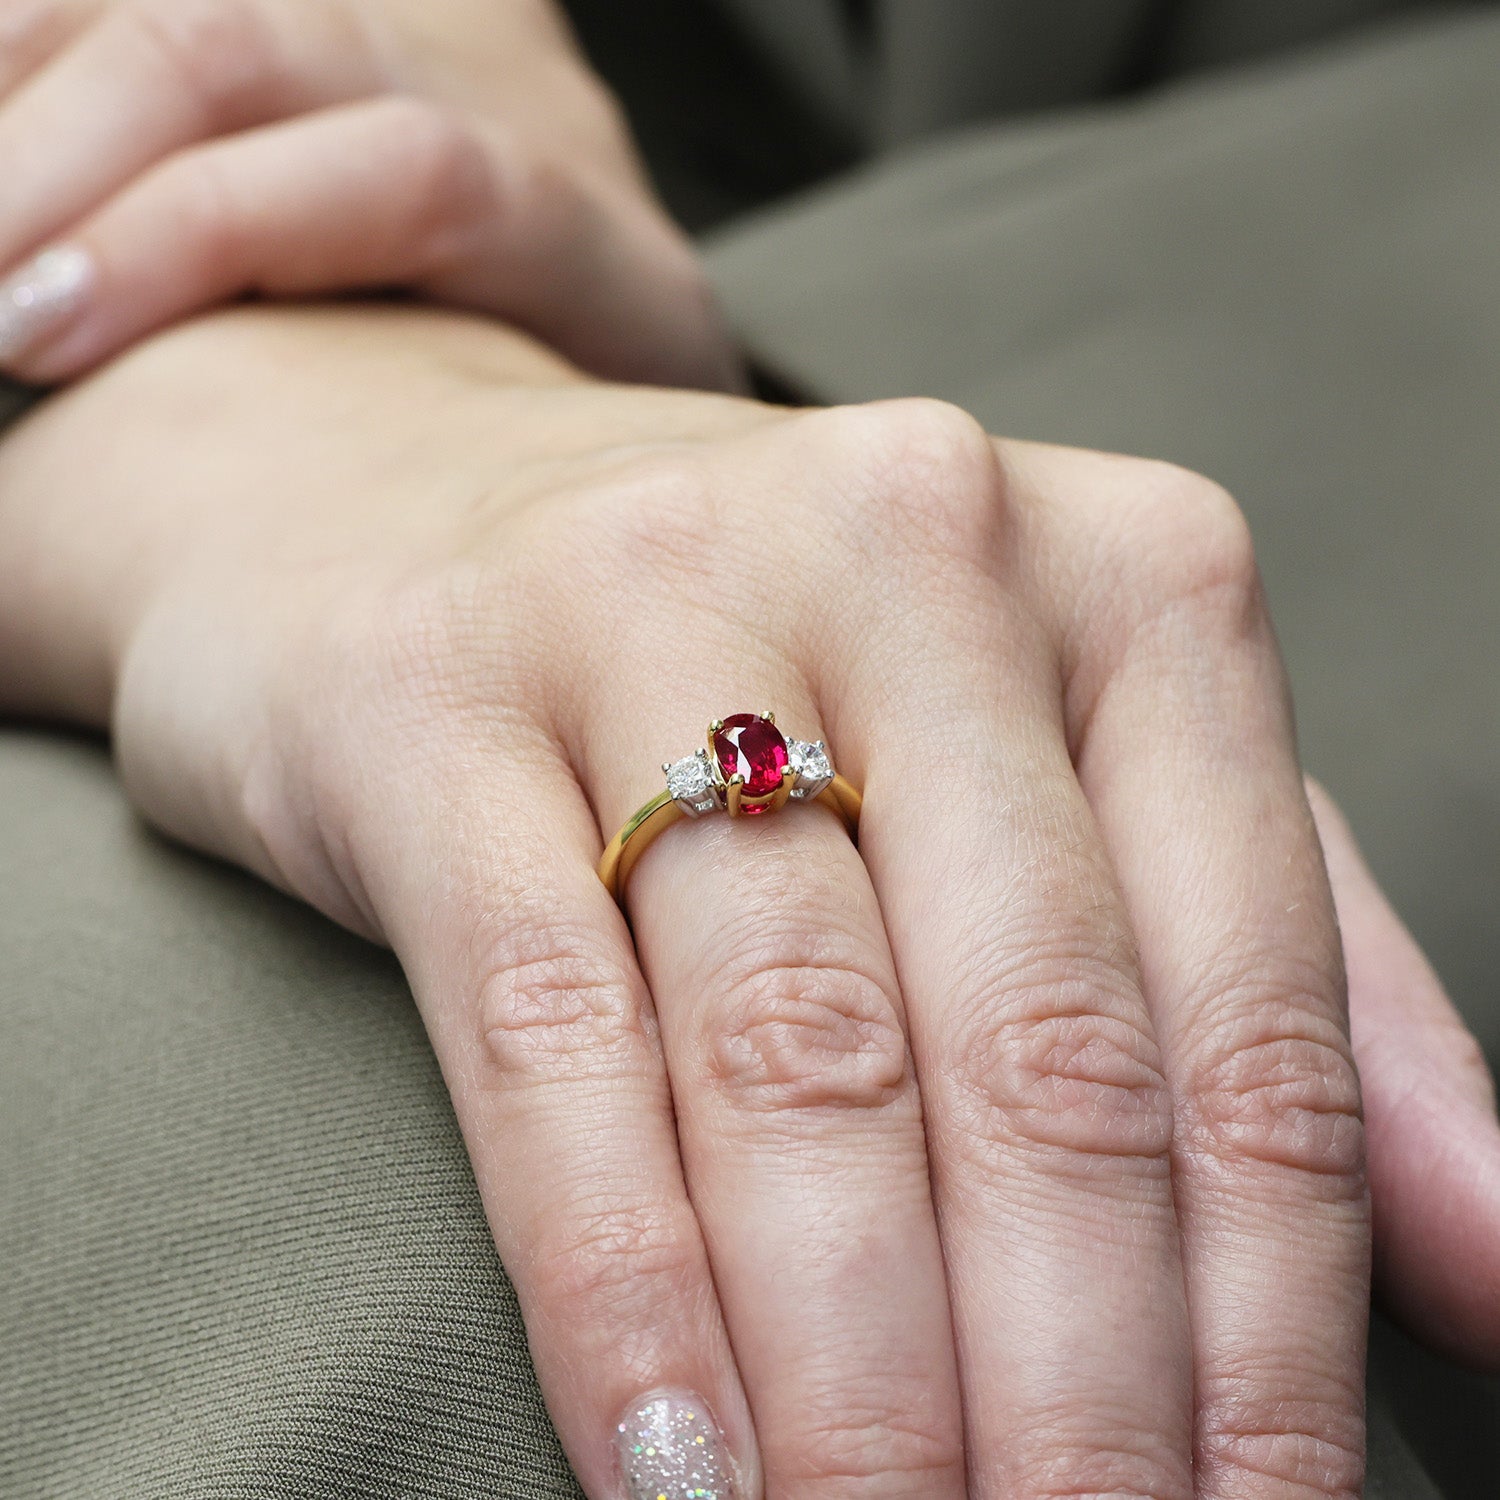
[[1049, 1122]]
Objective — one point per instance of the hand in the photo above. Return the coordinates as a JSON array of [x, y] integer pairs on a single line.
[[166, 155], [1084, 964]]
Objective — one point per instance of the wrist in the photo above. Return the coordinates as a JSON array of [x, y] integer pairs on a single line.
[[88, 533]]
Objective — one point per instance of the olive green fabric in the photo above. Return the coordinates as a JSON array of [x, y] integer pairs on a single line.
[[241, 1254], [1289, 280], [241, 1251]]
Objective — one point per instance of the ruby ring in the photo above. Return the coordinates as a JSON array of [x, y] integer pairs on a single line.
[[749, 768]]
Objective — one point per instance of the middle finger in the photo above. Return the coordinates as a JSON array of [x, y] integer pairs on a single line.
[[1049, 1118]]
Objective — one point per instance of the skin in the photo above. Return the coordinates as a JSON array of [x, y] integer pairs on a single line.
[[198, 150], [1017, 1153]]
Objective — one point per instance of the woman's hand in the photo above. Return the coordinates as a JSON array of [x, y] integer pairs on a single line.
[[1017, 1153], [166, 155]]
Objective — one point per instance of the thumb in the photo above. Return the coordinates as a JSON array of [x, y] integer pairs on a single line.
[[1434, 1143]]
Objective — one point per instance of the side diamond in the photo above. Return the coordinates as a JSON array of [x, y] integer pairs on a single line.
[[691, 782], [813, 768]]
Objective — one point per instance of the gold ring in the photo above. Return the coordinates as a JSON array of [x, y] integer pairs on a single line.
[[753, 769]]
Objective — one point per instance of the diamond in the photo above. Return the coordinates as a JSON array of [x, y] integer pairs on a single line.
[[814, 769], [691, 782]]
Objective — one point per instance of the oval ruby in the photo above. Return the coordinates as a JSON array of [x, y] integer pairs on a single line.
[[752, 747]]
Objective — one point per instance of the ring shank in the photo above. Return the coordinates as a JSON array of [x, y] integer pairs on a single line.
[[663, 810]]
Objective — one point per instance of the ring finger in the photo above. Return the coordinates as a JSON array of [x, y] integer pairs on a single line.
[[799, 1118]]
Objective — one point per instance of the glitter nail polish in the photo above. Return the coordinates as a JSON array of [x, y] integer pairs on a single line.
[[42, 294], [671, 1449]]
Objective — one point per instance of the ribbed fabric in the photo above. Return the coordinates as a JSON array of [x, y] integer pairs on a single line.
[[241, 1251]]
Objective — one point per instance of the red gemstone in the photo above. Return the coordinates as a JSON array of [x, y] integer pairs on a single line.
[[751, 747]]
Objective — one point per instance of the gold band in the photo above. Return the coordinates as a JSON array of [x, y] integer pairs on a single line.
[[632, 841]]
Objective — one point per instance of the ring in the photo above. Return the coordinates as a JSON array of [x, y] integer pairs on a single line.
[[754, 769]]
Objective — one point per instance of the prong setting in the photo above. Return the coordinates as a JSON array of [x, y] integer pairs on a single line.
[[692, 785], [782, 795], [748, 767], [813, 769], [801, 770]]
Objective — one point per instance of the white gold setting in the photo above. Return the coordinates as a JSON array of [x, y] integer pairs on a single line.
[[693, 783], [810, 762]]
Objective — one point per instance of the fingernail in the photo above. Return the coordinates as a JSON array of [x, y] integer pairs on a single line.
[[671, 1449], [44, 293]]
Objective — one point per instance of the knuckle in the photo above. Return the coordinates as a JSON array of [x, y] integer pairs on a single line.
[[1311, 1459], [1064, 1464], [223, 53], [1062, 1062], [923, 473], [809, 1037], [867, 1443], [209, 215], [435, 148], [1279, 1088], [1170, 566], [624, 1265], [1196, 538], [920, 433], [548, 1008]]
